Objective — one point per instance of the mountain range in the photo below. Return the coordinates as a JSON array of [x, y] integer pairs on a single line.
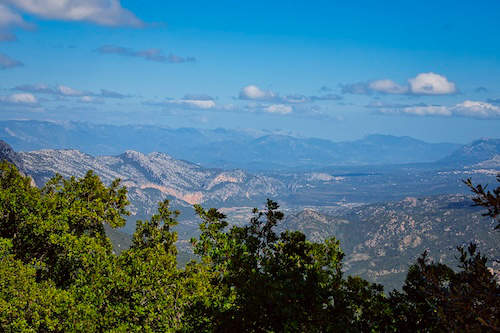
[[222, 148], [385, 215], [157, 176]]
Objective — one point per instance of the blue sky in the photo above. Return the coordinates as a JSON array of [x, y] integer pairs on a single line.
[[427, 69]]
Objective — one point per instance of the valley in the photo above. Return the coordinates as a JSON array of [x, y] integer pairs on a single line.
[[385, 215]]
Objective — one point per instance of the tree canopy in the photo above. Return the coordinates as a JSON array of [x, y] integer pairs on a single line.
[[58, 273], [486, 198]]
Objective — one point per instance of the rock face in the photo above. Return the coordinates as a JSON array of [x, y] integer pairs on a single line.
[[182, 180], [381, 240], [151, 178]]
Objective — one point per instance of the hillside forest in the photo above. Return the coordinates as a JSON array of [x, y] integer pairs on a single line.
[[59, 272]]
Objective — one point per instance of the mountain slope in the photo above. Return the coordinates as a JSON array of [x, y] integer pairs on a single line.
[[154, 177], [476, 152], [381, 240], [182, 180]]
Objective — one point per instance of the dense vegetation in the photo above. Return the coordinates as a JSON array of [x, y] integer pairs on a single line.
[[58, 272]]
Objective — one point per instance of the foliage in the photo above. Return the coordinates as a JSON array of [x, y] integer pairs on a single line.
[[278, 283], [488, 199], [57, 259], [436, 298], [59, 273], [61, 224], [26, 305]]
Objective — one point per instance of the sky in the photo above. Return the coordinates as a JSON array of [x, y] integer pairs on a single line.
[[331, 69]]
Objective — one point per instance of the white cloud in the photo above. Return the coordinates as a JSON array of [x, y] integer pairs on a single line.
[[19, 99], [431, 110], [431, 84], [279, 108], [387, 86], [295, 110], [199, 104], [87, 99], [189, 102], [103, 12], [253, 92], [67, 91], [422, 84], [477, 109], [471, 109]]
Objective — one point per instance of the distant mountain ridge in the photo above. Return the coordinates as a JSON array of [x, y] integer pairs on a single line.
[[222, 148], [479, 151]]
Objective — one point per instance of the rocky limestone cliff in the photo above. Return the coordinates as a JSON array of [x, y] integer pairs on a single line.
[[151, 178]]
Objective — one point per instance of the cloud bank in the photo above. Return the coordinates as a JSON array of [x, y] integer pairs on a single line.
[[149, 54], [422, 84], [101, 12], [254, 93], [279, 109], [63, 91], [59, 90], [188, 102], [9, 19], [471, 109], [19, 99]]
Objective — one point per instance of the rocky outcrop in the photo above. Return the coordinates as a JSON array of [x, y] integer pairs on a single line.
[[152, 177], [381, 240], [8, 154]]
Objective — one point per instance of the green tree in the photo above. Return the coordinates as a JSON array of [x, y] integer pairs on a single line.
[[59, 273], [61, 224], [278, 283], [486, 198], [148, 292], [436, 298], [58, 269], [25, 304], [368, 308]]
